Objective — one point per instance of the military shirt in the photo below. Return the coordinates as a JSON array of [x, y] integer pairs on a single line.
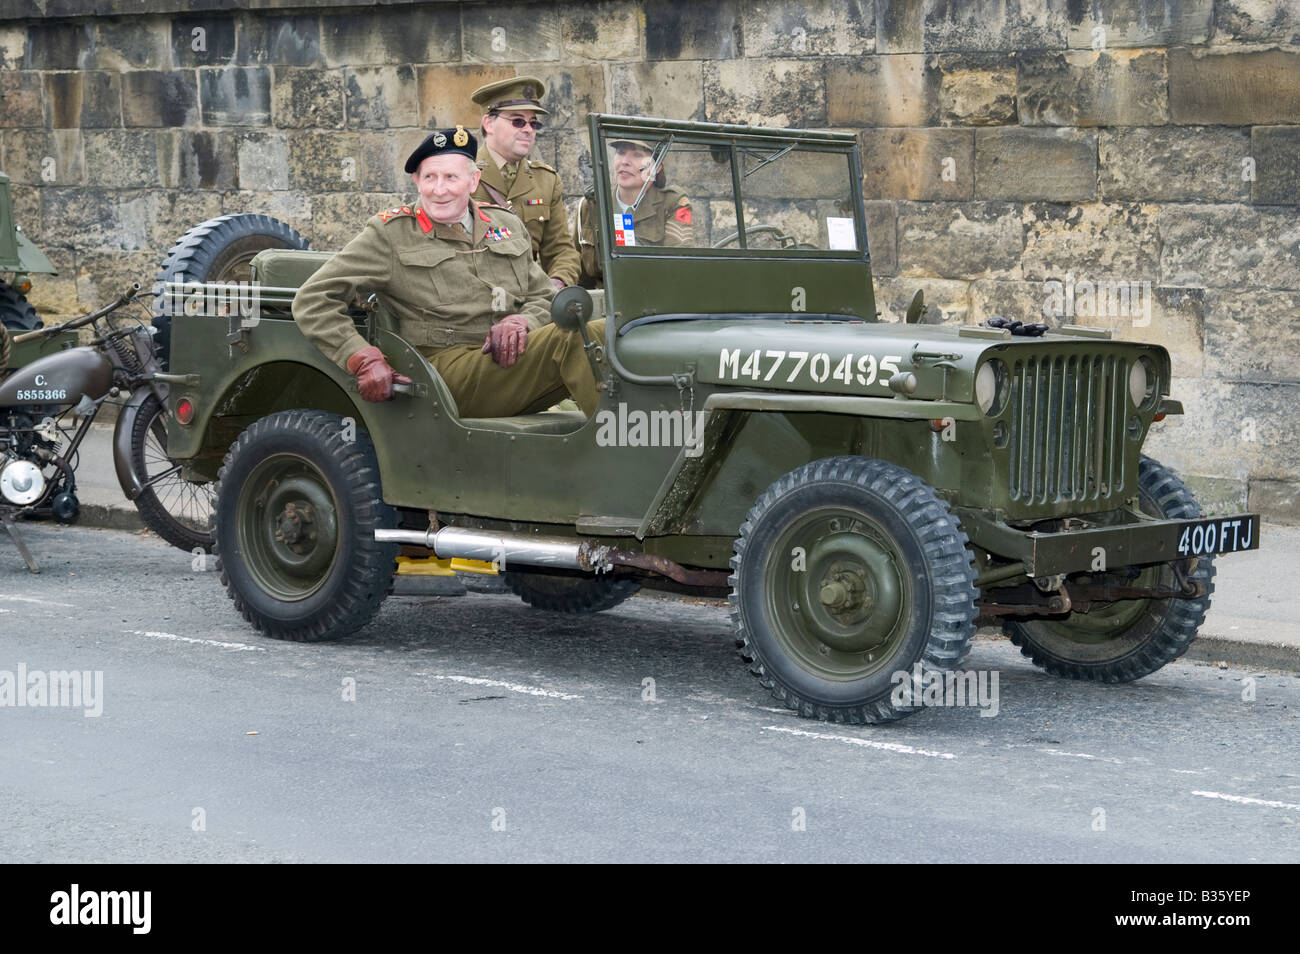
[[445, 287], [662, 218], [537, 197]]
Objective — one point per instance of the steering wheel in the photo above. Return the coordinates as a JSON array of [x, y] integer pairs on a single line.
[[786, 240]]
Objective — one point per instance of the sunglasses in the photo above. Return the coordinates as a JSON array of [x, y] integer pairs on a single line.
[[519, 122]]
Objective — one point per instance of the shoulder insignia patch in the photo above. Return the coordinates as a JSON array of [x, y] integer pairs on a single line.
[[391, 214], [683, 213]]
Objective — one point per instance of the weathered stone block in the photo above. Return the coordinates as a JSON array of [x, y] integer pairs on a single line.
[[682, 30], [279, 41], [882, 237], [1229, 246], [155, 98], [932, 163], [601, 31], [1086, 88], [336, 217], [79, 218], [1234, 89], [947, 302], [310, 98], [1277, 500], [444, 93], [54, 296], [203, 41], [1096, 242], [1173, 163], [765, 92], [882, 91], [39, 157], [20, 99], [666, 88], [163, 216], [102, 274], [13, 47], [1257, 21], [573, 160], [510, 33], [60, 46], [88, 100], [427, 33], [960, 239], [796, 28], [382, 162], [132, 43], [1276, 151], [194, 159], [236, 96], [325, 162], [918, 26], [1254, 336], [263, 160], [1127, 23], [1053, 165], [121, 158], [976, 90], [571, 93], [381, 97]]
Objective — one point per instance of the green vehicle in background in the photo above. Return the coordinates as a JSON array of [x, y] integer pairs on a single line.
[[866, 492], [19, 258]]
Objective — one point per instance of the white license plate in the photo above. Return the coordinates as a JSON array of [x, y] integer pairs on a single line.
[[1221, 535]]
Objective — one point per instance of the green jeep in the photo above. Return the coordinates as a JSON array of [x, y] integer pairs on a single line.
[[867, 492], [19, 257]]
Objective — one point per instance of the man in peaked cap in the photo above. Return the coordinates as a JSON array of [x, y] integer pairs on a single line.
[[512, 119], [460, 279]]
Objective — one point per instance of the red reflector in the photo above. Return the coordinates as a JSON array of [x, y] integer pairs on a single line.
[[938, 424], [1159, 417], [24, 286], [184, 410]]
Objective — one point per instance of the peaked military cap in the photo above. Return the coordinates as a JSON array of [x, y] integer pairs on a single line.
[[521, 92], [638, 143], [444, 141]]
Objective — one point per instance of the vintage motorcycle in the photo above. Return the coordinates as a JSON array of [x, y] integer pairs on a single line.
[[48, 405]]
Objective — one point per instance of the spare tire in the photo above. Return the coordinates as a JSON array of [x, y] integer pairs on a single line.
[[218, 250], [16, 312]]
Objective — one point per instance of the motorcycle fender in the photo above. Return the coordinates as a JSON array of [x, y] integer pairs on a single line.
[[127, 477]]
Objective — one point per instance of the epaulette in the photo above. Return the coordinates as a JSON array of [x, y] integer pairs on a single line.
[[534, 164], [390, 214]]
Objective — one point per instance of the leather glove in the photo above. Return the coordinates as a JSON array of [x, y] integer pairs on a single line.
[[373, 374], [507, 340]]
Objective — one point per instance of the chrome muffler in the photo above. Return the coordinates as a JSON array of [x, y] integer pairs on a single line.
[[504, 549]]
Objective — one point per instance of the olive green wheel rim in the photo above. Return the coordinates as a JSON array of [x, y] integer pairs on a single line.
[[1108, 622], [839, 592], [287, 521]]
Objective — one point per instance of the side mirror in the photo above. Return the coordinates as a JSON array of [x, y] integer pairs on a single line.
[[916, 309], [571, 308]]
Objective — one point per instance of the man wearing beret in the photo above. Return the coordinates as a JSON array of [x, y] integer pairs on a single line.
[[460, 279], [512, 118]]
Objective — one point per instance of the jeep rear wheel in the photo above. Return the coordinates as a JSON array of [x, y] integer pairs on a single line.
[[297, 509], [847, 572], [218, 250], [1126, 639]]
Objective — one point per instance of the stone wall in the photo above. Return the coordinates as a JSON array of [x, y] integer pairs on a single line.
[[1018, 155]]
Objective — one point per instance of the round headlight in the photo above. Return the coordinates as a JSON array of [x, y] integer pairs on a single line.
[[1141, 381], [989, 385]]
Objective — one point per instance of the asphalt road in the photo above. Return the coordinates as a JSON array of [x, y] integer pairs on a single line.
[[482, 730]]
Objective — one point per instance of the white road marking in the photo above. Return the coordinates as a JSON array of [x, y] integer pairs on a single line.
[[511, 686], [31, 599], [867, 743], [1083, 755], [1243, 800], [242, 647]]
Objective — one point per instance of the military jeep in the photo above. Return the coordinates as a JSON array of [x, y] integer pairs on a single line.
[[867, 492]]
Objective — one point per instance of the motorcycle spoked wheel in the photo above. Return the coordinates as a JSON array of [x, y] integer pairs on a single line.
[[178, 510]]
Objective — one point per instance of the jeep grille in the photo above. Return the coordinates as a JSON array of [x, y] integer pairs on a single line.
[[1067, 427]]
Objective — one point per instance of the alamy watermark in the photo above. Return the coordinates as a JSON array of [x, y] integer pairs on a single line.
[[637, 428], [1107, 298], [934, 689], [242, 300], [58, 688]]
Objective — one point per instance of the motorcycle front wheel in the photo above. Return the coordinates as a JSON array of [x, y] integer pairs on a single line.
[[178, 510]]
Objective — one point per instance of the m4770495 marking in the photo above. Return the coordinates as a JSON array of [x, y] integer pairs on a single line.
[[733, 365]]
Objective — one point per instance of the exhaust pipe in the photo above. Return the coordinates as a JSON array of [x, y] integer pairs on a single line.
[[505, 549]]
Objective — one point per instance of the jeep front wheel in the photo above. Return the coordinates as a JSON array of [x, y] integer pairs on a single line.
[[849, 571], [297, 508], [1126, 639]]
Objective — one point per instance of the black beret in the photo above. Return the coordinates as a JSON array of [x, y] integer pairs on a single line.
[[444, 142]]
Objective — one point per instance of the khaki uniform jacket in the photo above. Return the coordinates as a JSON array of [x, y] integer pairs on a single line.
[[662, 218], [444, 287], [537, 197]]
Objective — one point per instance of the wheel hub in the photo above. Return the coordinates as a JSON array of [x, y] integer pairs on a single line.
[[290, 525]]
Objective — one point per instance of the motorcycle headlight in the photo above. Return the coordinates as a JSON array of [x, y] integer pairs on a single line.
[[990, 387], [1142, 382]]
